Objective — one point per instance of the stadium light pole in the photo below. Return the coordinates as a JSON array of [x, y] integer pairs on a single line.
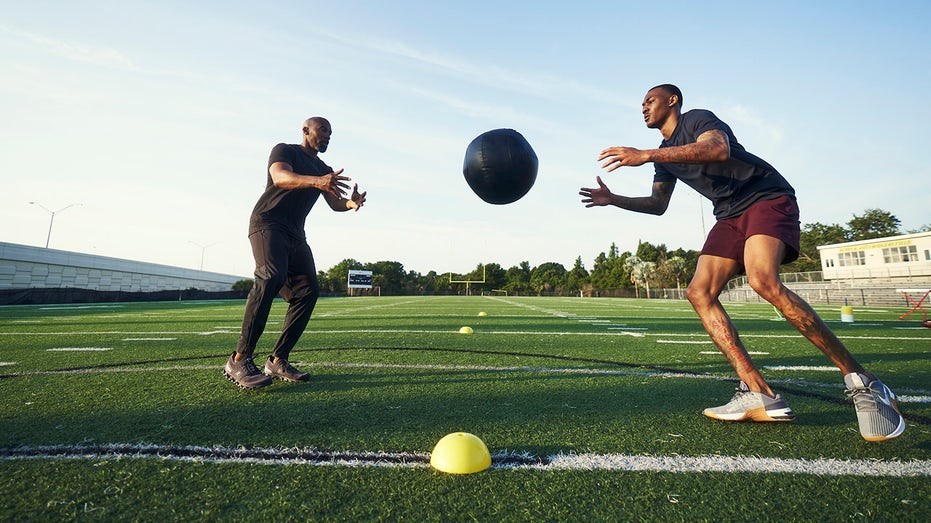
[[52, 220], [203, 251]]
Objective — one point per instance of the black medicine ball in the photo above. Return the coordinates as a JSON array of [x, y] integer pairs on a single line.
[[500, 166]]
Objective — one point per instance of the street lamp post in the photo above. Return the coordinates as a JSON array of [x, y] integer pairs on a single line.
[[203, 250], [52, 220]]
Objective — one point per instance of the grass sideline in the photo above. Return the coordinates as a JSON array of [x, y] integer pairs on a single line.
[[539, 378]]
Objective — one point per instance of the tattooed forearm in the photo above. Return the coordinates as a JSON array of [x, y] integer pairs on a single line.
[[656, 203], [711, 146]]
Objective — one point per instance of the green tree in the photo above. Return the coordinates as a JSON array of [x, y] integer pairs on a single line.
[[243, 285], [673, 269], [495, 277], [813, 235], [641, 272], [518, 278], [577, 278], [608, 272], [548, 277], [874, 223], [388, 276], [646, 251]]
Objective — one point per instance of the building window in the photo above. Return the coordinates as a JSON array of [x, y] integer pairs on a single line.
[[927, 255], [829, 262], [852, 259], [906, 253]]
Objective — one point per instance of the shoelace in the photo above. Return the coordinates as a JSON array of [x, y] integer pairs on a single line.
[[864, 399], [250, 367], [852, 393]]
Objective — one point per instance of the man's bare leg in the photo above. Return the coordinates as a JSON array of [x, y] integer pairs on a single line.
[[711, 275], [763, 255]]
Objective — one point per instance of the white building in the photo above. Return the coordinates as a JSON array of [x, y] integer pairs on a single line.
[[898, 258]]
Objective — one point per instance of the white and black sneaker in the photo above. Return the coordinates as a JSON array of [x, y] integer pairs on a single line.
[[877, 410], [753, 406]]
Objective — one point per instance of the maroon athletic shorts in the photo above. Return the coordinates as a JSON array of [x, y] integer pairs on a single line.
[[777, 218]]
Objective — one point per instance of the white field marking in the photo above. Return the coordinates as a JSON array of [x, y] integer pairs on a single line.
[[615, 332], [552, 312], [594, 321], [370, 307], [73, 307], [500, 460], [149, 339], [914, 399], [7, 363], [79, 349], [685, 342], [752, 353], [916, 393], [695, 464], [822, 368]]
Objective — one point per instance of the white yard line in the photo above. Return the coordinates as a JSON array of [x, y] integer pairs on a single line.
[[500, 461], [454, 330]]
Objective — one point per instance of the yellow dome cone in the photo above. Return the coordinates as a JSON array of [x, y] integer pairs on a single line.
[[460, 453], [465, 330]]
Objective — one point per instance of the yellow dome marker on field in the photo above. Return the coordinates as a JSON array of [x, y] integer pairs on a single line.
[[465, 330], [460, 453], [483, 313]]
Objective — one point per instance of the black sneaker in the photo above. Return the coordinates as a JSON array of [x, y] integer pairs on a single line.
[[283, 370], [244, 373]]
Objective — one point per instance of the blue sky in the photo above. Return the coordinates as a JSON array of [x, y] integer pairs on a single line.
[[158, 117]]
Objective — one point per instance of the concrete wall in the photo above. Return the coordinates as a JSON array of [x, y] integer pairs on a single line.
[[26, 267]]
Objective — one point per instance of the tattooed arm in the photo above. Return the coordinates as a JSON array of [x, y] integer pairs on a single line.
[[710, 146], [656, 203]]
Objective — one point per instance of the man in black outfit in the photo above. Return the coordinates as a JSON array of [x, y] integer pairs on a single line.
[[284, 262]]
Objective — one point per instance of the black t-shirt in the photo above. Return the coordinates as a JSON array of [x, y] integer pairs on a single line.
[[286, 209], [732, 185]]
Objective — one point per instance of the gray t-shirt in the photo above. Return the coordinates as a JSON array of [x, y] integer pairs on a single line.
[[732, 185]]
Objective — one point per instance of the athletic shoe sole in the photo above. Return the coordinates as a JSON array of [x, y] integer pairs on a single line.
[[759, 414], [245, 387]]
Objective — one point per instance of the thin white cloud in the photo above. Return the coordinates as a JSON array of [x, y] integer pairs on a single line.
[[105, 57], [101, 56], [546, 86]]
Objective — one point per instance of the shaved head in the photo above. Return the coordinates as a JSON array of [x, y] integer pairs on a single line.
[[316, 132]]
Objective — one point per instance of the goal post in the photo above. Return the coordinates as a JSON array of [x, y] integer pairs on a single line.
[[468, 283]]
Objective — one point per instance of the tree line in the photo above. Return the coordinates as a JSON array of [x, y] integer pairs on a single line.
[[612, 272]]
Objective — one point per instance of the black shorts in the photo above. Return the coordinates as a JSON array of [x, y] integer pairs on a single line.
[[777, 218]]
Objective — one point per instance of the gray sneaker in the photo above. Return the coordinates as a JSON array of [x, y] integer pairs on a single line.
[[877, 410], [754, 406], [283, 370], [244, 373]]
